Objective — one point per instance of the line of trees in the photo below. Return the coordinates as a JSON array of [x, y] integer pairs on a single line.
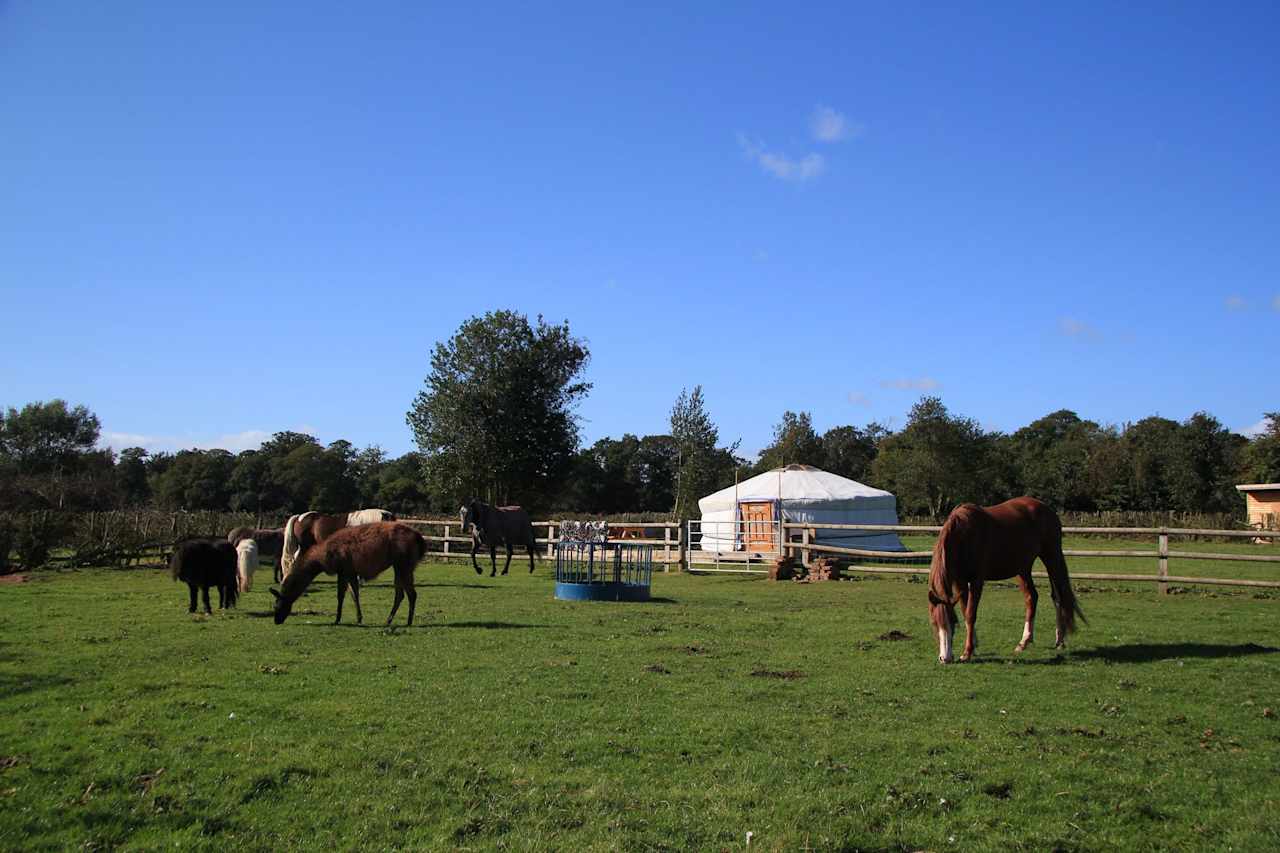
[[495, 419]]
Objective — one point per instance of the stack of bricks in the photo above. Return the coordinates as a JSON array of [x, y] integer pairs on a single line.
[[783, 568], [823, 569]]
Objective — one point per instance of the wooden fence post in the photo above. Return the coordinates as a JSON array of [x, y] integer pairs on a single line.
[[804, 554], [1164, 563], [446, 542], [682, 546]]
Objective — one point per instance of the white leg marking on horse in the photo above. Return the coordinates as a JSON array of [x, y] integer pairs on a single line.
[[944, 645]]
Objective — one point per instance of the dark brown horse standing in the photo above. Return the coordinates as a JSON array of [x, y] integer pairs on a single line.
[[494, 526], [979, 544], [354, 554]]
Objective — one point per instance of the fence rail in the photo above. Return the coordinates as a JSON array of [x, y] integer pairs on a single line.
[[668, 550], [799, 539]]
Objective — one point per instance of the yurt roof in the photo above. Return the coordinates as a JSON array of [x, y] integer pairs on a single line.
[[796, 484]]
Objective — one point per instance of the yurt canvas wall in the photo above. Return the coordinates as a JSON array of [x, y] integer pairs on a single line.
[[799, 493]]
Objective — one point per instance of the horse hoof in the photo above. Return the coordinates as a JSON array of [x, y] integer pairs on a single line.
[[1021, 647], [944, 660]]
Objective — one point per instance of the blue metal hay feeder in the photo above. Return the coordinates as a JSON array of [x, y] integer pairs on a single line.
[[590, 568]]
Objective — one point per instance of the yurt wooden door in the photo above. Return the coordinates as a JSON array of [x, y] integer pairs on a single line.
[[758, 533]]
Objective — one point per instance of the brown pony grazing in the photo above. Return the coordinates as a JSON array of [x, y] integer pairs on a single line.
[[979, 544], [353, 554], [494, 526]]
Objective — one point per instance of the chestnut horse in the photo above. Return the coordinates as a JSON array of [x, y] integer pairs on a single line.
[[357, 553], [303, 531], [979, 544]]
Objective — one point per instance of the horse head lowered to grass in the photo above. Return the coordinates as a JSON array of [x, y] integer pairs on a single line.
[[979, 544], [355, 554]]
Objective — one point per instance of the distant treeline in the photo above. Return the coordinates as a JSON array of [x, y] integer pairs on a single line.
[[49, 459]]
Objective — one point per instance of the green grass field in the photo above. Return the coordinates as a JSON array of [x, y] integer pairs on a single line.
[[509, 720]]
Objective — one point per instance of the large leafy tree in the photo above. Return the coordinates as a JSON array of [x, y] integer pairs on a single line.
[[1205, 461], [196, 479], [1261, 459], [46, 437], [623, 475], [936, 461], [400, 488], [849, 451], [1052, 458], [1151, 444], [495, 419], [131, 476], [701, 466], [47, 455], [653, 473], [794, 441]]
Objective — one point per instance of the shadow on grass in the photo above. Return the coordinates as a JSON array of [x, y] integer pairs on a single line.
[[16, 684], [382, 626], [1133, 653], [488, 625], [453, 585], [1150, 652]]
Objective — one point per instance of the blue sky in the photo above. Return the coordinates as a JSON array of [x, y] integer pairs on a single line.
[[222, 220]]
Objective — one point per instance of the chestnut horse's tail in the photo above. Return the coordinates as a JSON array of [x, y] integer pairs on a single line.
[[1059, 579], [944, 585]]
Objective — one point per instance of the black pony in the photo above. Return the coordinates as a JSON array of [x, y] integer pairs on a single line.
[[202, 563]]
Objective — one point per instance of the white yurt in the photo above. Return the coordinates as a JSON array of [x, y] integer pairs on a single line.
[[743, 517]]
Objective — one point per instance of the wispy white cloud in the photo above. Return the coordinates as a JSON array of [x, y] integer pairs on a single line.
[[924, 383], [1073, 328], [1255, 430], [828, 125], [250, 439], [857, 398], [780, 165], [1236, 302]]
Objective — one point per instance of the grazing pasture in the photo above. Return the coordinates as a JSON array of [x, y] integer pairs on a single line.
[[809, 715]]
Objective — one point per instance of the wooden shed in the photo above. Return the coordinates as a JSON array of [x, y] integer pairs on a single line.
[[1262, 501]]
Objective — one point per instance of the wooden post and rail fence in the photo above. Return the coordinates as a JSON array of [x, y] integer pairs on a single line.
[[676, 547], [673, 550], [668, 551], [807, 546]]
